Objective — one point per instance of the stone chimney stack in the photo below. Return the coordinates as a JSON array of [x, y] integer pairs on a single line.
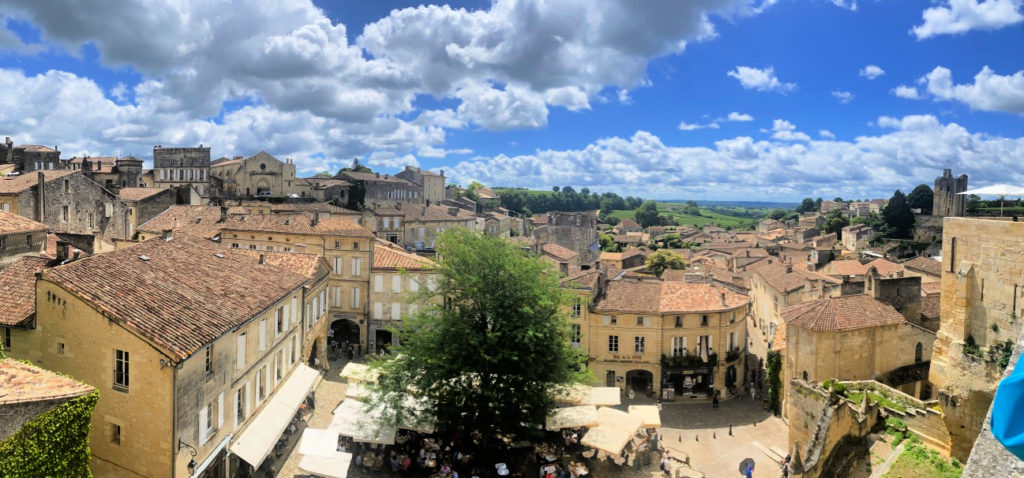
[[263, 259], [40, 196], [167, 234], [63, 251], [724, 304], [223, 213]]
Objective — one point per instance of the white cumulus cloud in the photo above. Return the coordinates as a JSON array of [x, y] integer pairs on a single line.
[[989, 92], [684, 126], [850, 5], [826, 134], [786, 131], [843, 96], [960, 16], [908, 92], [760, 79], [871, 72], [734, 116]]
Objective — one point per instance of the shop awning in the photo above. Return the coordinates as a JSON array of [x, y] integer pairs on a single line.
[[355, 419], [255, 442], [648, 413], [610, 417], [614, 430], [334, 466], [357, 372], [318, 442], [572, 417], [571, 393], [357, 390], [599, 396]]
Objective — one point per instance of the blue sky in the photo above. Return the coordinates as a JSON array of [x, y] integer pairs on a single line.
[[731, 99]]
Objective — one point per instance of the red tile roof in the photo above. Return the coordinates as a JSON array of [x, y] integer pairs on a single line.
[[885, 268], [841, 313], [301, 263], [22, 382], [583, 279], [18, 289], [389, 257], [847, 268], [17, 184], [36, 148], [785, 280], [296, 224], [654, 296], [779, 340], [138, 194], [193, 220], [925, 265], [180, 294], [11, 223], [562, 253]]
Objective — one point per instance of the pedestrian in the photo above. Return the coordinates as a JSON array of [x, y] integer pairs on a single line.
[[753, 392], [665, 467], [750, 470], [714, 400], [350, 353], [785, 469]]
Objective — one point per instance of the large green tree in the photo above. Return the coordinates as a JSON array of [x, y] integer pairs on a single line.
[[488, 358], [661, 260], [921, 197], [897, 215], [834, 222], [647, 214]]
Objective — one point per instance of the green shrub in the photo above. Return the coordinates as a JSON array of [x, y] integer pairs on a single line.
[[839, 388]]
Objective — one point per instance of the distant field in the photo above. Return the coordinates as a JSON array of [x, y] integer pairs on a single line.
[[706, 217]]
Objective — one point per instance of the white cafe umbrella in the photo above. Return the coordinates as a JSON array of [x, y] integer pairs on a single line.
[[1001, 190]]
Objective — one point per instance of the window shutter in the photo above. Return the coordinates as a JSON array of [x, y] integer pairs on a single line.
[[647, 321], [240, 352], [396, 311], [378, 283], [287, 315], [378, 310], [414, 285], [220, 409], [606, 320], [203, 413], [266, 378], [263, 335], [246, 399], [396, 283]]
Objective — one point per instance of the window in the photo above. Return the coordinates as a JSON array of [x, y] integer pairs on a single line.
[[262, 344], [277, 364], [67, 186], [337, 244], [337, 265], [261, 390], [398, 222], [952, 254], [678, 346], [396, 311], [64, 213], [115, 434], [378, 283], [387, 223], [355, 246], [639, 321], [396, 283], [613, 343], [356, 263], [294, 346], [577, 305], [355, 297], [378, 310], [240, 352], [414, 285], [679, 321], [577, 334], [732, 318], [60, 348], [120, 370], [917, 352], [209, 359], [7, 338], [90, 221], [732, 341], [639, 344], [279, 318], [704, 320], [240, 405], [205, 423]]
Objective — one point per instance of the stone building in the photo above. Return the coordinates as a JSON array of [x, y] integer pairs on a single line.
[[110, 172], [699, 327], [182, 169], [145, 203], [381, 189], [573, 230], [395, 278], [414, 226], [347, 247], [260, 175], [20, 236], [324, 189], [982, 301], [188, 343], [565, 260], [66, 201], [857, 236], [18, 294], [198, 221], [948, 201], [431, 182], [27, 158], [776, 286]]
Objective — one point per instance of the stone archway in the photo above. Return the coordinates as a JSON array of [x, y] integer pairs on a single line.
[[640, 381], [346, 331]]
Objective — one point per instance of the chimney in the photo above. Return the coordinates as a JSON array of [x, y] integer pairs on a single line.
[[316, 219], [378, 175], [167, 234], [789, 268], [263, 259], [724, 304], [223, 213], [748, 252], [442, 173], [40, 196], [63, 250]]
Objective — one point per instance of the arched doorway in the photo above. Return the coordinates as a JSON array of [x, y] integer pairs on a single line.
[[382, 340], [346, 332], [312, 354], [730, 377], [917, 352], [641, 381]]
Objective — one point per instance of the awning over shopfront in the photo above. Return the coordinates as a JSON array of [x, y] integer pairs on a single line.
[[648, 413], [318, 442], [357, 372], [572, 417], [357, 390], [599, 396], [334, 466], [571, 393], [615, 428], [255, 442]]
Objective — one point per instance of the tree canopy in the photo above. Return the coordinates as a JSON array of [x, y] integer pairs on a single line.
[[487, 358], [807, 205], [356, 167], [647, 214], [834, 222], [564, 198], [921, 198], [898, 216], [661, 260]]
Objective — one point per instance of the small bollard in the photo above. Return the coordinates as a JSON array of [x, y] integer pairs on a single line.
[[730, 430]]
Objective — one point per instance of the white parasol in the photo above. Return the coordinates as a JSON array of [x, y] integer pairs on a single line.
[[1001, 190]]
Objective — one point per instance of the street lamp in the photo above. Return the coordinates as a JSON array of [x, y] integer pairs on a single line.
[[191, 461]]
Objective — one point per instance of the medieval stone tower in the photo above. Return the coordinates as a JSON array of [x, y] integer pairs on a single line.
[[948, 202]]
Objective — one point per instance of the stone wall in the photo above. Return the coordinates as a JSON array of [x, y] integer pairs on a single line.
[[982, 287], [989, 457], [574, 230], [152, 206], [818, 422], [76, 204]]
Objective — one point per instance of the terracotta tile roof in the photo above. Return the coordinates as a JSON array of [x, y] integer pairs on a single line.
[[627, 222], [931, 305], [193, 220], [884, 267], [841, 313], [847, 268], [324, 182], [390, 257], [51, 248], [17, 184], [656, 296], [18, 289], [582, 280], [180, 294], [36, 148], [11, 223], [296, 224], [422, 213], [138, 194], [226, 163], [779, 340], [785, 280], [925, 265], [354, 176], [309, 207], [301, 263], [934, 287], [539, 219], [559, 252], [22, 382]]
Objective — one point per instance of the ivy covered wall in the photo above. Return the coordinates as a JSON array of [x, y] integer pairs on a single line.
[[55, 443]]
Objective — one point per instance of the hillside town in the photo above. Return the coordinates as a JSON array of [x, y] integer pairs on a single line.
[[215, 317]]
